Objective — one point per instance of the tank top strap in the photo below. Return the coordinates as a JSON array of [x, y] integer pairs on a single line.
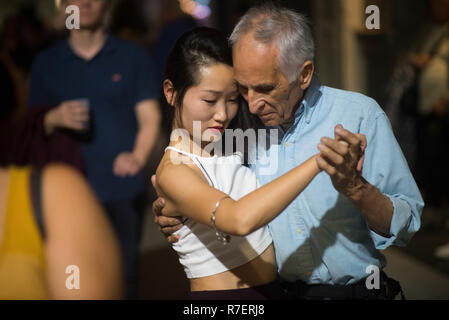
[[190, 155], [196, 160], [36, 199]]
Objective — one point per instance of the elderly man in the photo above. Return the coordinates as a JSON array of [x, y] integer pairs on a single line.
[[327, 241]]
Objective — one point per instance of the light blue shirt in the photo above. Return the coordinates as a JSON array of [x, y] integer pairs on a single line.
[[321, 237]]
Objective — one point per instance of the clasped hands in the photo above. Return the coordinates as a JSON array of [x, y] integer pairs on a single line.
[[342, 159]]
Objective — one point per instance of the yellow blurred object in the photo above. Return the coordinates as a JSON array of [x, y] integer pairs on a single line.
[[22, 258]]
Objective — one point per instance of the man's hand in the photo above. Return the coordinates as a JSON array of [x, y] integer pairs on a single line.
[[167, 225], [127, 164], [73, 114], [342, 158]]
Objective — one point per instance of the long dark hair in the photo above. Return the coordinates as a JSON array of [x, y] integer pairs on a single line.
[[200, 47]]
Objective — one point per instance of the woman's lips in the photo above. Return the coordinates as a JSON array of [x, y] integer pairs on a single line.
[[219, 129]]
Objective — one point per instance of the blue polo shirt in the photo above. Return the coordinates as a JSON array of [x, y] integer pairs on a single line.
[[114, 81]]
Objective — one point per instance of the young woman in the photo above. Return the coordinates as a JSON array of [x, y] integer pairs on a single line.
[[224, 246]]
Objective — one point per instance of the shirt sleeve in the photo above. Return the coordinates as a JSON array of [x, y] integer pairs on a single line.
[[386, 168], [146, 87], [38, 93]]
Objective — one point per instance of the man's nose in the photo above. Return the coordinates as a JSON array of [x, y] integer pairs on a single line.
[[253, 104]]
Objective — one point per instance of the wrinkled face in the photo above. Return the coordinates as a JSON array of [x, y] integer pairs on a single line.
[[213, 102], [269, 94], [92, 12]]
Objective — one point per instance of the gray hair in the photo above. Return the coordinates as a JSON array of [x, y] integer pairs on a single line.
[[288, 29]]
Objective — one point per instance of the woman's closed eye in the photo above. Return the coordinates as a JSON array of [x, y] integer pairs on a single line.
[[211, 102], [233, 97]]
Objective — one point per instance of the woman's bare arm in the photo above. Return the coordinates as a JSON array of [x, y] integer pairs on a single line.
[[79, 234], [190, 195]]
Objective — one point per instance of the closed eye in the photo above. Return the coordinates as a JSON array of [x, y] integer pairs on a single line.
[[264, 88]]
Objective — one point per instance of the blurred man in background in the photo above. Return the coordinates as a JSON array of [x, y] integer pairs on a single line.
[[104, 96]]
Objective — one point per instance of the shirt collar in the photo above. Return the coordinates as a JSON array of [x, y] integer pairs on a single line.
[[308, 103], [109, 46]]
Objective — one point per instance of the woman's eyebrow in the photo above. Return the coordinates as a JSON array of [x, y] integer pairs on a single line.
[[212, 91]]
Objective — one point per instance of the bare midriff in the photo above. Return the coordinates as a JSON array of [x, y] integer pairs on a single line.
[[259, 271]]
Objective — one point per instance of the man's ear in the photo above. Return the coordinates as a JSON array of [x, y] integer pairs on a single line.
[[169, 92], [305, 77]]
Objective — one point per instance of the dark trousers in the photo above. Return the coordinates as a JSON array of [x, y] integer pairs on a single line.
[[389, 289], [126, 221]]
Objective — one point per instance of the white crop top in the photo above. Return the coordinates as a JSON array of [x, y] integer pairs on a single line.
[[199, 250]]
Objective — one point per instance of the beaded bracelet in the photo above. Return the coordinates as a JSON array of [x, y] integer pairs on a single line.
[[224, 238]]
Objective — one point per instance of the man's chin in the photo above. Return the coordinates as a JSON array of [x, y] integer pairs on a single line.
[[271, 122]]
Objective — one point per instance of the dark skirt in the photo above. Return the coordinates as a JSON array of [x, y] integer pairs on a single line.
[[269, 291]]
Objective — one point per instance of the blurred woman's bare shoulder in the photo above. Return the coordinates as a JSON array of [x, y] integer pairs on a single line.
[[78, 231], [59, 173], [63, 181], [66, 193]]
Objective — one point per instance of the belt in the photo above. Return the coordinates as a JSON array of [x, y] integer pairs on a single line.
[[388, 289]]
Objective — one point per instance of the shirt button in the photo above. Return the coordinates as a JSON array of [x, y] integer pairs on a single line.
[[308, 116], [299, 231], [287, 144]]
